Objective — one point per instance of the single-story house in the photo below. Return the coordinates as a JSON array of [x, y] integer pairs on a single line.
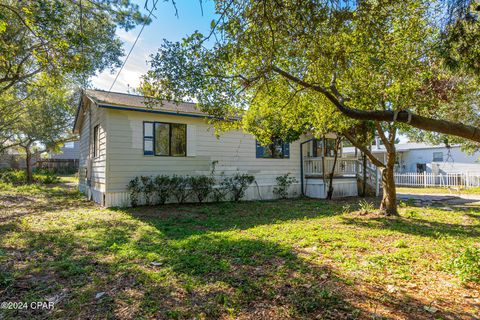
[[122, 138], [413, 157]]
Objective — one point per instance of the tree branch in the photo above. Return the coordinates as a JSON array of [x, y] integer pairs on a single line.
[[414, 120], [383, 137], [364, 149]]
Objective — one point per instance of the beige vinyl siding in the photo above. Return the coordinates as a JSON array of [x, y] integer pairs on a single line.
[[98, 164], [234, 151]]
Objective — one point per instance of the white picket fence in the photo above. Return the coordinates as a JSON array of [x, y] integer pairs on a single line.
[[463, 180]]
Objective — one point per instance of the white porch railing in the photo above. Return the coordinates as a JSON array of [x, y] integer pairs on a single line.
[[464, 179], [344, 167]]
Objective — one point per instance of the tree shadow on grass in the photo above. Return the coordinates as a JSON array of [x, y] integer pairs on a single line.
[[416, 226], [18, 205], [197, 270], [177, 222]]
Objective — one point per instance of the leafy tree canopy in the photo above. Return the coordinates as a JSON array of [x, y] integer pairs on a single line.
[[61, 37], [307, 63]]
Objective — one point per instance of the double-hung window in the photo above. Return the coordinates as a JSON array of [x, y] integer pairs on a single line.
[[164, 139]]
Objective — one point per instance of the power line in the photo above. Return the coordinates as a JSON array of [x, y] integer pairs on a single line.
[[133, 45]]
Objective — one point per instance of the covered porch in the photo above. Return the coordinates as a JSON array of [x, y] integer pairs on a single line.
[[318, 163], [318, 167]]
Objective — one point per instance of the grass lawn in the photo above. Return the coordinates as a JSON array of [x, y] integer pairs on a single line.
[[250, 260], [438, 190]]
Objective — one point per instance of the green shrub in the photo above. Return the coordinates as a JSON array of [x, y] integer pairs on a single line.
[[148, 189], [238, 184], [19, 177], [162, 184], [201, 186], [366, 207], [45, 177], [284, 183], [219, 192], [467, 265], [179, 188], [13, 176], [134, 188]]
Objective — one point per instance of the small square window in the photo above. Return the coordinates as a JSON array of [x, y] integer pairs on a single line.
[[438, 157]]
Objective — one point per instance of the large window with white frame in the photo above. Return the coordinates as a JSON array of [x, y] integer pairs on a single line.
[[164, 139]]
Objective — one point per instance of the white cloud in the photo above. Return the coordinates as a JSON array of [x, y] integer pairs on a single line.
[[128, 37], [135, 67]]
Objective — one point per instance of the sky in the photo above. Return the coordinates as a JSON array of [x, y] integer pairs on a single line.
[[165, 26]]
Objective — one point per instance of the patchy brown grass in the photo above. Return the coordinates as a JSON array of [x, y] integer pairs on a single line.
[[251, 260]]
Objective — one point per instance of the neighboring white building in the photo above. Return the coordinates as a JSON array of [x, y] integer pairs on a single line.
[[121, 138], [422, 157]]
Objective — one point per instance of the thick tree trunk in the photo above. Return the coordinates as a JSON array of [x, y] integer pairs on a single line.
[[388, 206]]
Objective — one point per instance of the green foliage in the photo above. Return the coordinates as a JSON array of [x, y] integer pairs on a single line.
[[180, 188], [288, 68], [366, 207], [48, 48], [61, 38], [19, 177], [201, 186], [467, 265], [13, 176], [148, 189], [46, 177], [237, 184], [162, 188], [220, 192], [134, 188], [461, 39], [284, 182]]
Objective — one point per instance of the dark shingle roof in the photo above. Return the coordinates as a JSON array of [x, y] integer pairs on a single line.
[[139, 102]]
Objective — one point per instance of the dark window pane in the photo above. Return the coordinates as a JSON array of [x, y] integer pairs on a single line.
[[179, 139], [329, 147], [162, 135], [274, 150], [277, 150], [267, 151], [96, 141]]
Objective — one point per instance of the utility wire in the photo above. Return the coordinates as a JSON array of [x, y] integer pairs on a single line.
[[133, 46]]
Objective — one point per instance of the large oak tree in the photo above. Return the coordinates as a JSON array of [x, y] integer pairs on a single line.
[[371, 60], [47, 47]]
